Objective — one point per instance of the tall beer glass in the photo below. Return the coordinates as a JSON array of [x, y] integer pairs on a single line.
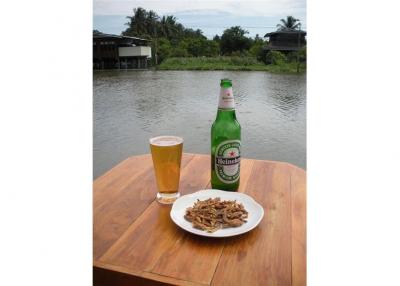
[[166, 152]]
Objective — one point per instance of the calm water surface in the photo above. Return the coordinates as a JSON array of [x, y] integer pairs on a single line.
[[132, 106]]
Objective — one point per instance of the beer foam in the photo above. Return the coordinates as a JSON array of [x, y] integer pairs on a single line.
[[166, 140]]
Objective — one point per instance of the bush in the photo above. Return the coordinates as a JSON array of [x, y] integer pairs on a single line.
[[257, 50], [291, 57], [275, 58], [163, 49], [179, 52], [302, 54], [211, 48], [243, 61], [228, 63], [199, 47], [243, 53], [212, 62]]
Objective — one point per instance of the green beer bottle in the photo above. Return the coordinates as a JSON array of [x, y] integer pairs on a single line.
[[225, 142]]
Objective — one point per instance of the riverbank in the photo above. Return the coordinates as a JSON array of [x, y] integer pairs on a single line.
[[228, 63]]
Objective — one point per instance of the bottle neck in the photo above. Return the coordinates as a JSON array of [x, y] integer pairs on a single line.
[[226, 100], [226, 114]]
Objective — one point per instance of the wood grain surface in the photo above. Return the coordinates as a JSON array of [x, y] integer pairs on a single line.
[[136, 243]]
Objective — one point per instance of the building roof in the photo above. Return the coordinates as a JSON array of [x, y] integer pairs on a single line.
[[103, 35], [286, 32]]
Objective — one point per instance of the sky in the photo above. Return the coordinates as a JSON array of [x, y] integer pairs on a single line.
[[212, 17]]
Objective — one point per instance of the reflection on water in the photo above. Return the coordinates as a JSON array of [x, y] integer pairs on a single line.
[[132, 106]]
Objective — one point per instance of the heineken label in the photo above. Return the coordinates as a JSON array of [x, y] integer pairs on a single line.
[[226, 100], [227, 161]]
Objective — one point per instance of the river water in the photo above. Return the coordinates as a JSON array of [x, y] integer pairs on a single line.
[[132, 106]]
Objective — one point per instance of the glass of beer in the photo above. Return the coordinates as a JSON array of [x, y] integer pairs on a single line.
[[166, 152]]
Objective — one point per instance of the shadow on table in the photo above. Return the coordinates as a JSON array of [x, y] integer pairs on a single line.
[[103, 277]]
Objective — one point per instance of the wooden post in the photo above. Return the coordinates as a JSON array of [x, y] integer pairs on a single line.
[[155, 53], [298, 49], [155, 46]]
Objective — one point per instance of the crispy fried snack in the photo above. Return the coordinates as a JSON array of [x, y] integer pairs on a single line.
[[214, 214]]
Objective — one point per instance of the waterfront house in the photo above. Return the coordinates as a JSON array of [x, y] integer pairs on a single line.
[[120, 52], [285, 41]]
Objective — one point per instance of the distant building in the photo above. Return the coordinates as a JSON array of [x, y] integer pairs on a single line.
[[120, 52], [285, 41]]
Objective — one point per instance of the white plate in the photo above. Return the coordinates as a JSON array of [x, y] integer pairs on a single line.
[[256, 212]]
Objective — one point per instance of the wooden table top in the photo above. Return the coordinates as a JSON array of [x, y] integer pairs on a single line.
[[136, 242]]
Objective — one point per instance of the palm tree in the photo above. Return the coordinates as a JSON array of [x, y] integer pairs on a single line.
[[169, 26], [137, 23], [163, 26], [290, 23], [151, 21]]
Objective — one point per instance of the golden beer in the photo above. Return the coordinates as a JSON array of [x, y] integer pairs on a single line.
[[166, 152]]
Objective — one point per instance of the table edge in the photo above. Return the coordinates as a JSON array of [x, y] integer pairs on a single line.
[[197, 154], [201, 154], [147, 275]]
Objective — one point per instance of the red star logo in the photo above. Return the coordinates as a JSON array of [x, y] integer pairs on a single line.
[[231, 153]]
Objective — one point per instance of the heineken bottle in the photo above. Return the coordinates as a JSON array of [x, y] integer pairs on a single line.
[[225, 142]]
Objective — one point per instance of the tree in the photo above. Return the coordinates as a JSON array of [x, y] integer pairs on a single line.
[[147, 24], [170, 38], [256, 49], [169, 28], [151, 23], [195, 47], [290, 23], [179, 52], [138, 23], [199, 47], [164, 49], [211, 48], [234, 39], [190, 33]]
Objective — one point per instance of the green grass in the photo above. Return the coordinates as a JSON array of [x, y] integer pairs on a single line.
[[227, 63]]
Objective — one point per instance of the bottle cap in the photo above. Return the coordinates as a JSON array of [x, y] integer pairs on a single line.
[[226, 82]]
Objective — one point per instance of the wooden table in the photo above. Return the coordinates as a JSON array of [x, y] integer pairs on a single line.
[[136, 243]]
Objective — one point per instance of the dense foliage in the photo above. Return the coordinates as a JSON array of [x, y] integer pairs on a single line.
[[275, 58], [170, 39], [240, 63], [234, 40], [147, 24]]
